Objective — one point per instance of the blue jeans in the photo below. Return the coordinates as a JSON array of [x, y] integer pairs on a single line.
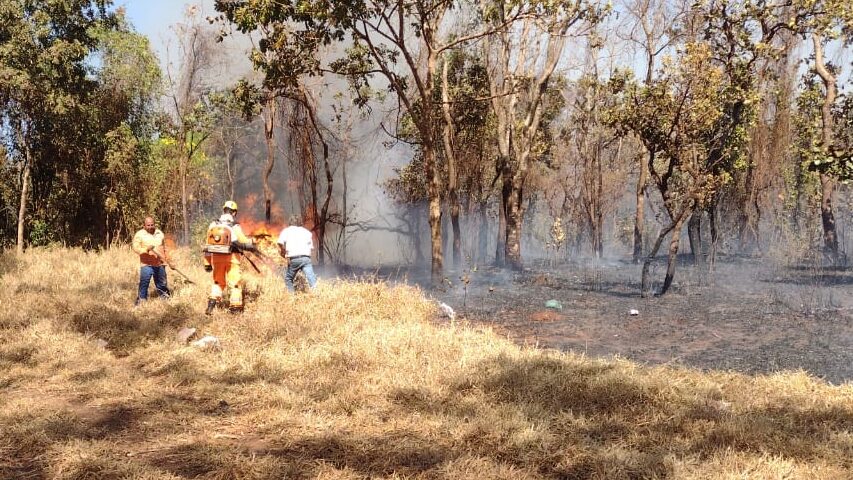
[[297, 264], [145, 274]]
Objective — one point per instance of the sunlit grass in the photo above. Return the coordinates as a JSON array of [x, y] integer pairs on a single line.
[[356, 380]]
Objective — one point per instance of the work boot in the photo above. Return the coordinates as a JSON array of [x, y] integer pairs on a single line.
[[211, 304], [235, 310]]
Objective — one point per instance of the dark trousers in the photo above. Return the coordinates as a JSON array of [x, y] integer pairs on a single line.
[[146, 272]]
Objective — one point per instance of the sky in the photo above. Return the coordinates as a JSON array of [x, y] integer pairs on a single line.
[[154, 19]]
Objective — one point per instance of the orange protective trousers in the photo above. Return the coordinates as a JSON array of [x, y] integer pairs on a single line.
[[226, 274]]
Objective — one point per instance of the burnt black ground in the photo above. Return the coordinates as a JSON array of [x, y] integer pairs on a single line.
[[749, 314]]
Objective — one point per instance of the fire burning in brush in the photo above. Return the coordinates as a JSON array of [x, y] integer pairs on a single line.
[[266, 244], [264, 234]]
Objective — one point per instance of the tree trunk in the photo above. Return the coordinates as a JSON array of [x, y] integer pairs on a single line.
[[645, 282], [457, 231], [514, 219], [599, 206], [827, 183], [269, 129], [417, 243], [640, 212], [744, 217], [483, 238], [22, 208], [694, 236], [185, 217], [344, 211], [434, 193], [324, 212], [712, 224], [229, 165], [673, 255], [449, 138], [830, 237], [500, 248]]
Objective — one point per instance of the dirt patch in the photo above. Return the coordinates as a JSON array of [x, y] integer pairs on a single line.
[[546, 316]]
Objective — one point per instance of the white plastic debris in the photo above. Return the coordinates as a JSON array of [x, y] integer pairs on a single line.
[[634, 312], [447, 311], [207, 342]]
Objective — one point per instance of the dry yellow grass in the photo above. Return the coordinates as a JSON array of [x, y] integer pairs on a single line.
[[356, 381]]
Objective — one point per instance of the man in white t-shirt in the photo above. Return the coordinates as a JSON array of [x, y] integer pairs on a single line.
[[296, 243]]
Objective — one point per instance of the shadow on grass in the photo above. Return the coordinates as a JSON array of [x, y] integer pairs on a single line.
[[126, 330], [606, 425], [787, 431], [104, 289], [34, 288], [17, 354], [28, 438], [402, 453], [587, 420], [9, 262]]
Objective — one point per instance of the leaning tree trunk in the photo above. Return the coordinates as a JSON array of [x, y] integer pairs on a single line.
[[827, 183], [673, 255], [675, 228], [22, 208]]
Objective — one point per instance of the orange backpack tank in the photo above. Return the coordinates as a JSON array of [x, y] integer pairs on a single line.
[[218, 239]]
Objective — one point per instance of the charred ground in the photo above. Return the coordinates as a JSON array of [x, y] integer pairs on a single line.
[[747, 314]]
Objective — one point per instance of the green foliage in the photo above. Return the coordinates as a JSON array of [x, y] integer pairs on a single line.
[[837, 159], [79, 91], [687, 117], [247, 99], [474, 134], [44, 95], [41, 234], [286, 52], [409, 186]]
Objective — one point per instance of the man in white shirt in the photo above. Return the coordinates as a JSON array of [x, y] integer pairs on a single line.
[[296, 243]]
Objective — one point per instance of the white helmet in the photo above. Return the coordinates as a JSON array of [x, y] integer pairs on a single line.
[[227, 219]]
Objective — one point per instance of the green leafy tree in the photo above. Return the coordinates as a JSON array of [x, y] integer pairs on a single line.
[[130, 82], [681, 117], [44, 87]]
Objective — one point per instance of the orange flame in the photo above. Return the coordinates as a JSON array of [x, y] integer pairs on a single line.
[[251, 215]]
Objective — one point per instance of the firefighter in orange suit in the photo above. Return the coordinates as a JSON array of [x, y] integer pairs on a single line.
[[223, 251]]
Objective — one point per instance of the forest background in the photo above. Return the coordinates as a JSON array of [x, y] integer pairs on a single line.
[[457, 133]]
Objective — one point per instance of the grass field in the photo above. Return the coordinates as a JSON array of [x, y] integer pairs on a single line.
[[357, 381]]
